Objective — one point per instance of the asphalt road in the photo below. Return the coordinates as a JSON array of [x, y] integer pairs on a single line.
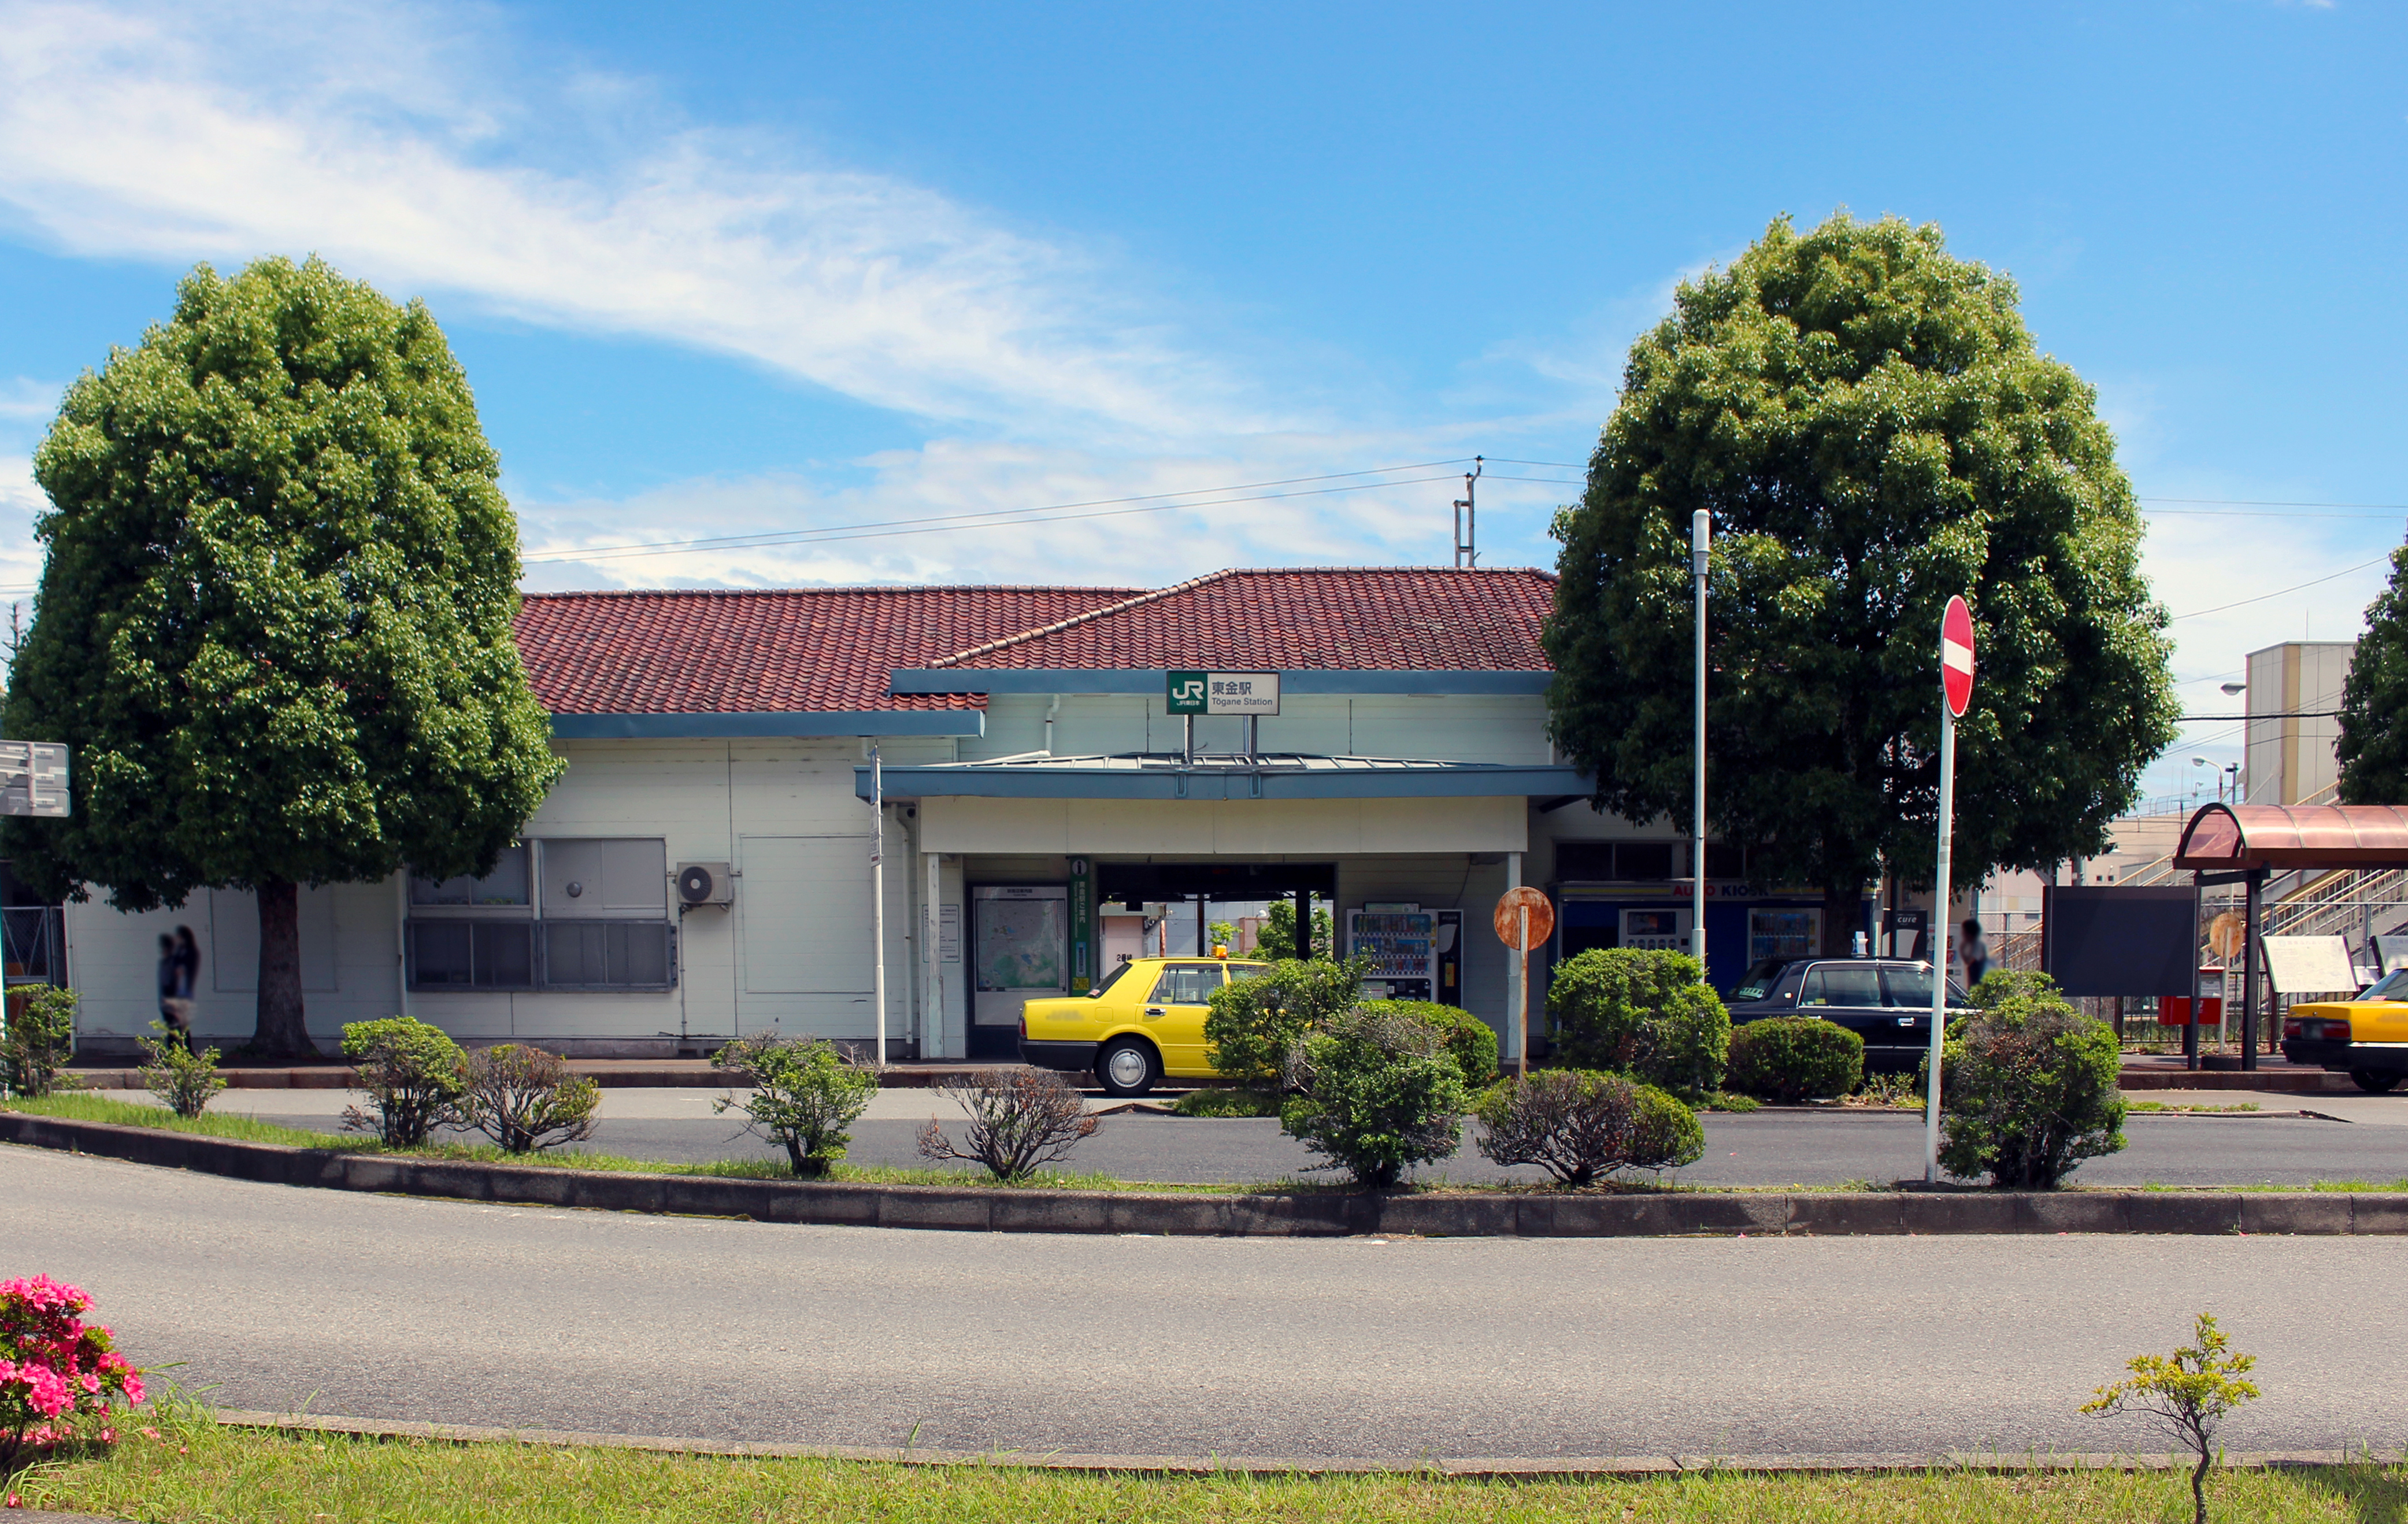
[[1765, 1148], [450, 1311]]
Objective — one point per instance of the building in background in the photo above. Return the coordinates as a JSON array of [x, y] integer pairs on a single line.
[[703, 868], [2294, 694]]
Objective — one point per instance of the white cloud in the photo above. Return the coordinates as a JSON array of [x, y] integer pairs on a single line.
[[1236, 508], [390, 143], [25, 400]]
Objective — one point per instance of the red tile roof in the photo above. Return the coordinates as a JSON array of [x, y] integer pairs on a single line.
[[710, 652], [698, 653], [1325, 618]]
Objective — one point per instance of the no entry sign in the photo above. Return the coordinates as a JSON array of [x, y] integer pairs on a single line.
[[1957, 656]]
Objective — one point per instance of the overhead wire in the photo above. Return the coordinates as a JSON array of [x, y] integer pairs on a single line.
[[999, 518], [2197, 613]]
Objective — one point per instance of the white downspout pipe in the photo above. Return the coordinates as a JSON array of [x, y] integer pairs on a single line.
[[1051, 710]]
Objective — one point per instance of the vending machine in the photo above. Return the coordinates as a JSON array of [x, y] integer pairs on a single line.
[[1402, 942], [1665, 930]]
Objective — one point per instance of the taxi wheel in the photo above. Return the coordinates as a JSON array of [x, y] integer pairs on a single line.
[[2376, 1081], [1128, 1068]]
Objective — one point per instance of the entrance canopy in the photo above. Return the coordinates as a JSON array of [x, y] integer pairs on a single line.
[[2222, 837]]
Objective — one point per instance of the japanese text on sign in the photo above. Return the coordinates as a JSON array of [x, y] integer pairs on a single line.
[[1223, 693]]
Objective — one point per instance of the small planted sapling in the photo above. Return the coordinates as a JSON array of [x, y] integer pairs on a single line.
[[525, 1099], [805, 1096], [1020, 1119], [181, 1079], [2188, 1394]]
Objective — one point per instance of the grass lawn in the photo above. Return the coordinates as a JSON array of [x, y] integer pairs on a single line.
[[91, 1108], [196, 1470], [85, 1108]]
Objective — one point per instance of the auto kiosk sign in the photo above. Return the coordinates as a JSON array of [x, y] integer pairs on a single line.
[[1222, 693]]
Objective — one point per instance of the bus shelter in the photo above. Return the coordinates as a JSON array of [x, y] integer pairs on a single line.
[[2247, 843]]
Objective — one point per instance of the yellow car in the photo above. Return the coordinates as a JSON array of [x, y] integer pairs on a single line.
[[2366, 1039], [1143, 1023]]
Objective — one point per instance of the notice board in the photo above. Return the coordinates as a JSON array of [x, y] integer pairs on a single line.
[[2108, 940]]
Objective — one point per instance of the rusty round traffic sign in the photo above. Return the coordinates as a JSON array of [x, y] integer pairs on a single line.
[[1957, 656], [1511, 926]]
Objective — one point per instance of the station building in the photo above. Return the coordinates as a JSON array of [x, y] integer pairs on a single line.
[[703, 867]]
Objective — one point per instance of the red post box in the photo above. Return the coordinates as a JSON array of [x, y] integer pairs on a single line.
[[2205, 1008]]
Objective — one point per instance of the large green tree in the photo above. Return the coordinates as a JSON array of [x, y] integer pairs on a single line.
[[2372, 747], [274, 622], [1869, 425]]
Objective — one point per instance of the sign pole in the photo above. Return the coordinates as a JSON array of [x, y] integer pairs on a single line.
[[1955, 694], [1939, 945], [1522, 1038], [878, 900]]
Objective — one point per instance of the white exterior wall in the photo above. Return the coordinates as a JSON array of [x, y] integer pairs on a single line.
[[789, 956], [791, 953], [1435, 726]]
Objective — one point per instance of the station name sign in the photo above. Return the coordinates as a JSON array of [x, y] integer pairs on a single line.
[[1222, 693], [34, 778]]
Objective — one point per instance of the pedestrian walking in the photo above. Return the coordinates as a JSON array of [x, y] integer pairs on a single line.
[[1973, 953], [174, 1007]]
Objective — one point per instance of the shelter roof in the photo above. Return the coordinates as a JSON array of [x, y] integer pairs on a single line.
[[2229, 837], [699, 652], [1297, 619]]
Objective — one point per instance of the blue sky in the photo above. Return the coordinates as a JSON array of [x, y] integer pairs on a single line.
[[754, 270]]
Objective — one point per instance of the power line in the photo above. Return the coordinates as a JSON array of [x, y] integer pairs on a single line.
[[2280, 591], [948, 524]]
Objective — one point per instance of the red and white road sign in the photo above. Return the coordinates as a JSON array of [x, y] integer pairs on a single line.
[[1957, 656]]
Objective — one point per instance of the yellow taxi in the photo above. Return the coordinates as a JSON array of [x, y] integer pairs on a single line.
[[2366, 1039], [1145, 1022]]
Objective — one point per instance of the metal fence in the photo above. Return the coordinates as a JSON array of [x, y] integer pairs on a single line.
[[33, 943]]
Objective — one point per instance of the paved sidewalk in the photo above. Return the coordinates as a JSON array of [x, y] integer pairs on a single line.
[[611, 1073]]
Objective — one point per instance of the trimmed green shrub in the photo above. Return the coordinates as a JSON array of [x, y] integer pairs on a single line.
[[2028, 1088], [1377, 1092], [1648, 1015], [1252, 1023], [41, 1040], [183, 1079], [805, 1096], [1472, 1041], [1578, 1124], [525, 1099], [1224, 1100], [1790, 1058], [411, 1072]]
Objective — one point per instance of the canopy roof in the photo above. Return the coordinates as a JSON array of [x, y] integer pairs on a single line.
[[2226, 837]]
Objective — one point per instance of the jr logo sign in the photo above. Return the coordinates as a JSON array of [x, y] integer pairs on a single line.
[[1186, 693]]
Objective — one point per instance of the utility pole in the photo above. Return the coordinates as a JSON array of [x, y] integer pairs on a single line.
[[1702, 530], [1467, 517]]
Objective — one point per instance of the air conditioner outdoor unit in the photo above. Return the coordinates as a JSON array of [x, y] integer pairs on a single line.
[[705, 883]]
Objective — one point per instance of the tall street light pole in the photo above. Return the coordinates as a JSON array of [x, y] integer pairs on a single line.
[[1700, 533]]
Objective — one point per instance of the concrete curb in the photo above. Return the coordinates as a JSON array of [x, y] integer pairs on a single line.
[[1535, 1468], [995, 1209], [610, 1075]]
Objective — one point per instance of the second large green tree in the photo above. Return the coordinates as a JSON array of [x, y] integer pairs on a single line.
[[1872, 429], [275, 617]]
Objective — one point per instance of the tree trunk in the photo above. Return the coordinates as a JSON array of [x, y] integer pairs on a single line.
[[283, 1030], [1843, 916]]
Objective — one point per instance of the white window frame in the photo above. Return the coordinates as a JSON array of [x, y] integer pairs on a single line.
[[532, 916]]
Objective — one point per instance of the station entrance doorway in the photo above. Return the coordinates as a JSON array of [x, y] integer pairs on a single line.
[[1178, 898]]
